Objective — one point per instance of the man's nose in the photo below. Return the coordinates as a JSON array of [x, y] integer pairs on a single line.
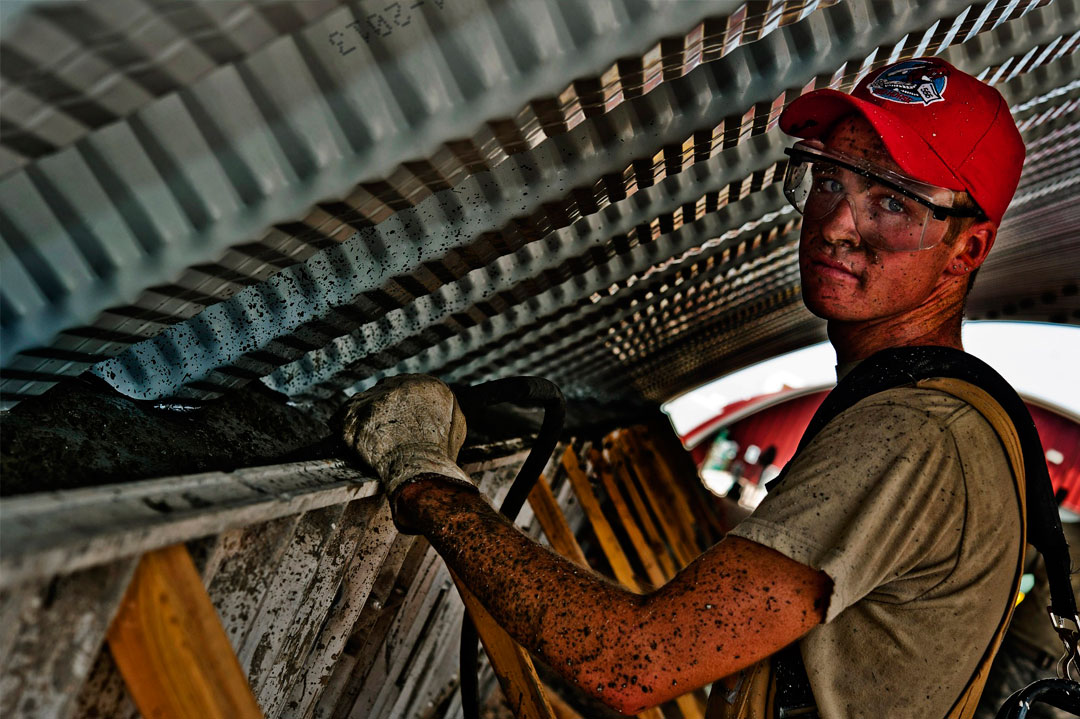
[[839, 224]]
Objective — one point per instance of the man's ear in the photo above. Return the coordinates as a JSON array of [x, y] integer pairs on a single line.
[[972, 247]]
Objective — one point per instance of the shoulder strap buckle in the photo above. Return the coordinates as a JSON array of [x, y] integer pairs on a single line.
[[1068, 629]]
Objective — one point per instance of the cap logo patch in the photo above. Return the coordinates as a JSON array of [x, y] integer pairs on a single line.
[[911, 82]]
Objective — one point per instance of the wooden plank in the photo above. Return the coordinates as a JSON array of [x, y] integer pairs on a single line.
[[445, 630], [665, 518], [270, 627], [171, 648], [246, 572], [18, 605], [622, 475], [554, 524], [412, 641], [58, 638], [336, 687], [104, 694], [512, 664], [391, 651], [676, 487], [387, 594], [208, 553], [59, 532], [357, 585], [669, 450], [371, 636], [441, 677], [605, 535], [646, 553], [313, 614]]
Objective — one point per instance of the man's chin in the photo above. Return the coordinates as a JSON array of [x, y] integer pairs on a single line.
[[832, 309]]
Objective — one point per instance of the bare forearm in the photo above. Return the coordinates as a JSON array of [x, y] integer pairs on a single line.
[[730, 607], [565, 613]]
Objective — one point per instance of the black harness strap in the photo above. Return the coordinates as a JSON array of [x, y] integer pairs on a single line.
[[901, 366]]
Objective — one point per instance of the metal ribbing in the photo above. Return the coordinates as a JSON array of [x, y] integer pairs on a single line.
[[70, 68], [751, 53], [540, 335], [272, 149], [309, 306]]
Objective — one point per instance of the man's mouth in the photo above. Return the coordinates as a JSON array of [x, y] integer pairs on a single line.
[[833, 269]]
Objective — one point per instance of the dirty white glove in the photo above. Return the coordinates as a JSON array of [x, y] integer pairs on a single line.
[[406, 426]]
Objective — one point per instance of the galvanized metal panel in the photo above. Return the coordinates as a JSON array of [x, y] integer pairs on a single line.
[[421, 315], [617, 147], [279, 191]]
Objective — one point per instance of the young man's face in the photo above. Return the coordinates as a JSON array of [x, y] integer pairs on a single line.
[[843, 278]]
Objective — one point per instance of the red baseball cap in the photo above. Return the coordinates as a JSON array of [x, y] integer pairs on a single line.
[[940, 125]]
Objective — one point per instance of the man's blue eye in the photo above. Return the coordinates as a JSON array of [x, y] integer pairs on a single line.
[[891, 204], [830, 185]]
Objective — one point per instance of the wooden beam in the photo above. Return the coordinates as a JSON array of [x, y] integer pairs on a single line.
[[554, 524], [670, 451], [656, 573], [170, 646], [512, 665], [677, 482], [54, 533], [678, 538], [616, 462], [605, 535]]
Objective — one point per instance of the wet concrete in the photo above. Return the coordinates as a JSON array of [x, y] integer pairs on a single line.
[[84, 433]]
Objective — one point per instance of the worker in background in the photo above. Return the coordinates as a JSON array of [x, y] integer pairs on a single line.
[[889, 549]]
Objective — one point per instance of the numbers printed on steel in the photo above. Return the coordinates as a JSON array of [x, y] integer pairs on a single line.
[[379, 24]]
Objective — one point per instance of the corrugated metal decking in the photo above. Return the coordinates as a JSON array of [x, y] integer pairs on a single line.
[[583, 190]]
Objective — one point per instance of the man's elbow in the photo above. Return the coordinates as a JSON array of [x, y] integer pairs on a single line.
[[624, 702], [625, 695]]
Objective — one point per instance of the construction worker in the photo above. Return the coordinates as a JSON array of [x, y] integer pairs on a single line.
[[889, 549]]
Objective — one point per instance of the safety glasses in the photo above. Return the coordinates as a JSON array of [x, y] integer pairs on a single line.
[[892, 212]]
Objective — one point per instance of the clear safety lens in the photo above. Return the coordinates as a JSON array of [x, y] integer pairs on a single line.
[[891, 212]]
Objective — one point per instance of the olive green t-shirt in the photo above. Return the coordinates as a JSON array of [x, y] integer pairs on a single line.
[[906, 501]]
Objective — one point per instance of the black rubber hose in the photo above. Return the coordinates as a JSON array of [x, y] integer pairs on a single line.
[[532, 392], [1062, 694]]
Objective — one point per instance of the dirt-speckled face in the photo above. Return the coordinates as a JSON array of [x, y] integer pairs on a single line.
[[845, 279]]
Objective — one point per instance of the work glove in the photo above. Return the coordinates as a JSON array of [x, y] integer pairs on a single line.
[[404, 427]]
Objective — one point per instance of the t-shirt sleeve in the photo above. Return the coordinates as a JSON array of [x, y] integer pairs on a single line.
[[878, 492]]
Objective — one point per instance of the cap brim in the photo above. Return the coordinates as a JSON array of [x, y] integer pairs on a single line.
[[814, 114]]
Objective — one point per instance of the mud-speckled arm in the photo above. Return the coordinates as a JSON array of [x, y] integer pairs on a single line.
[[736, 603]]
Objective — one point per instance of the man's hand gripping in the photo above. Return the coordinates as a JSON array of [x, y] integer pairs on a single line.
[[407, 427]]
